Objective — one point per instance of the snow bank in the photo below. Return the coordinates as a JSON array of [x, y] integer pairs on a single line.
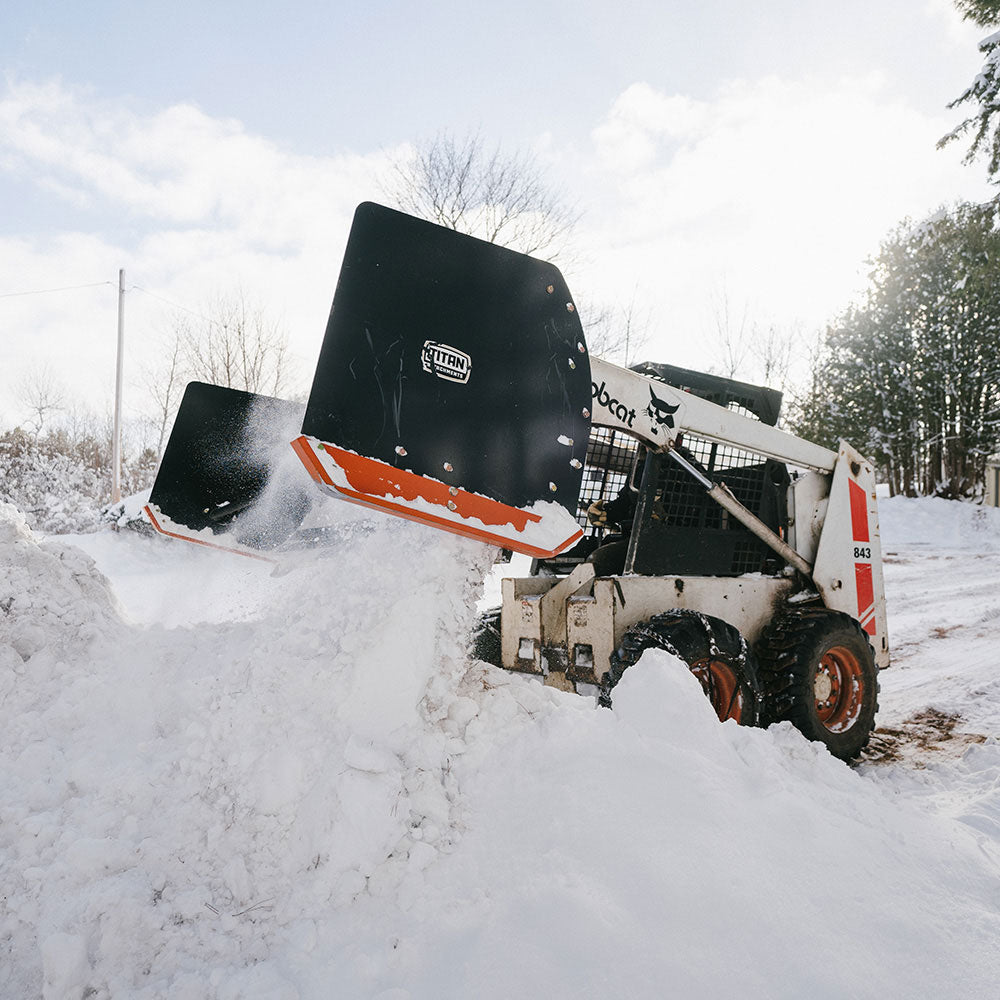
[[652, 852], [933, 521], [175, 799], [321, 797], [53, 597]]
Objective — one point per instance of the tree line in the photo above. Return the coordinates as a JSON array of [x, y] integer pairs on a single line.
[[911, 374]]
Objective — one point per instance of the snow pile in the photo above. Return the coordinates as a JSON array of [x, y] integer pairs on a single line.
[[176, 798], [939, 523], [616, 852], [319, 796], [53, 598]]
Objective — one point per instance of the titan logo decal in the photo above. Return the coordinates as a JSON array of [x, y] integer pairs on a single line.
[[448, 363], [603, 398], [660, 410]]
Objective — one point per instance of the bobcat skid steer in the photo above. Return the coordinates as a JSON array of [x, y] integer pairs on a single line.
[[661, 507]]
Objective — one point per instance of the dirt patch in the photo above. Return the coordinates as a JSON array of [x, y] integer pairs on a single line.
[[922, 737], [941, 632]]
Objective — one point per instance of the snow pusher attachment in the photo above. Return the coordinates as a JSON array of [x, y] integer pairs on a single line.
[[453, 386], [227, 478]]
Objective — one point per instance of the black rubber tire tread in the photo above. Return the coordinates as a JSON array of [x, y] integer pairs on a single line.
[[691, 636], [789, 651], [485, 643]]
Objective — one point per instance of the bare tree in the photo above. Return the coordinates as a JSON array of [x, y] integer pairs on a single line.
[[772, 348], [40, 393], [231, 342], [499, 197], [166, 383], [617, 333], [748, 350], [732, 334], [238, 346]]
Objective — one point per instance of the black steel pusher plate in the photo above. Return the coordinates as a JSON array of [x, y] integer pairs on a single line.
[[228, 451], [455, 359]]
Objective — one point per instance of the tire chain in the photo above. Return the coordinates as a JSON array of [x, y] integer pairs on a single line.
[[641, 637], [782, 644]]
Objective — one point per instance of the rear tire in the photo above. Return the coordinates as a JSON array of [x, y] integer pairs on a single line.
[[714, 651], [818, 671]]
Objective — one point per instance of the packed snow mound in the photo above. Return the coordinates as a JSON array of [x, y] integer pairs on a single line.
[[321, 796], [934, 521], [610, 853], [52, 597], [189, 793]]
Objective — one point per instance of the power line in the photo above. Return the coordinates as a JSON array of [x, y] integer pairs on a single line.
[[47, 291], [173, 305], [131, 288]]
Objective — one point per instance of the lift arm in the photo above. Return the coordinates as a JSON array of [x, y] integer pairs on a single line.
[[657, 413]]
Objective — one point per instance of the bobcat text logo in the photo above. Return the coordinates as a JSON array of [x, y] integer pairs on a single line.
[[446, 362], [660, 410], [620, 410]]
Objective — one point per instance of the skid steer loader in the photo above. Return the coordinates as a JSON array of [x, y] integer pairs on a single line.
[[661, 507]]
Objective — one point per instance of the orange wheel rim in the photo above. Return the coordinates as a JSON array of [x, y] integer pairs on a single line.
[[838, 689], [721, 684]]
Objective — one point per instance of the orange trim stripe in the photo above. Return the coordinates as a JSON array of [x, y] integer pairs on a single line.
[[379, 486], [866, 596], [373, 478], [201, 541], [310, 460]]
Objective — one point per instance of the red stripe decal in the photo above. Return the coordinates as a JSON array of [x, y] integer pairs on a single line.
[[859, 511], [866, 595]]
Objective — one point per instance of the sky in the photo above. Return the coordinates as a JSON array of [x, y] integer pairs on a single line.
[[725, 158]]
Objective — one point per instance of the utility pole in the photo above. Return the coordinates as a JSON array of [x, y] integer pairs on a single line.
[[116, 444]]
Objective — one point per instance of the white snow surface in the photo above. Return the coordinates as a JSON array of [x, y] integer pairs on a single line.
[[223, 782]]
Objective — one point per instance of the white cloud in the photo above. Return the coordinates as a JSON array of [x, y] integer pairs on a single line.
[[641, 120], [962, 34], [188, 204], [178, 166], [778, 189]]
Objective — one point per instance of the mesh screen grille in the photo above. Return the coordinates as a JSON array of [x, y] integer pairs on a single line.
[[683, 503], [610, 456]]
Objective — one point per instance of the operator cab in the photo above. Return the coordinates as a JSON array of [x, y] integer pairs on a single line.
[[660, 521]]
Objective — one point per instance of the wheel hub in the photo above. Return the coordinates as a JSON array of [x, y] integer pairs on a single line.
[[823, 685], [838, 689]]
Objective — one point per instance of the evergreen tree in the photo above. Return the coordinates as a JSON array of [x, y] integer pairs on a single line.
[[912, 376], [982, 12], [984, 91]]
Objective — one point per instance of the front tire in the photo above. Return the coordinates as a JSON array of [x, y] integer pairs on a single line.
[[818, 671], [714, 651]]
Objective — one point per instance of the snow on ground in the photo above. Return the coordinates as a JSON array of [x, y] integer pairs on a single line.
[[220, 782]]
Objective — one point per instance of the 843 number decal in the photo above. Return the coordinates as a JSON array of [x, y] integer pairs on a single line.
[[862, 552]]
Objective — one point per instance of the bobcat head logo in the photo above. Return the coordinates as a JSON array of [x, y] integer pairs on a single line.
[[660, 410]]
